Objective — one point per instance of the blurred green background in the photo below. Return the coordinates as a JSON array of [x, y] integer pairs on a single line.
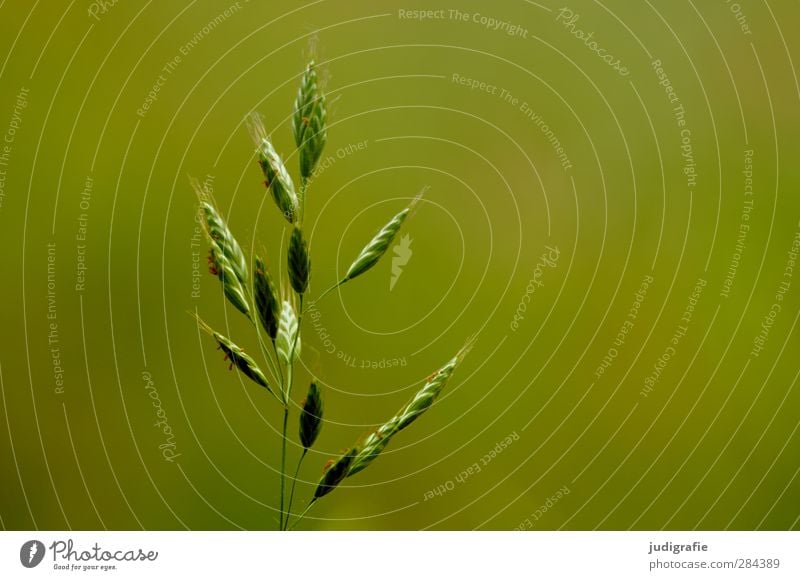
[[540, 130]]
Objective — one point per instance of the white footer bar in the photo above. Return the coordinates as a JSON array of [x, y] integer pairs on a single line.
[[406, 555]]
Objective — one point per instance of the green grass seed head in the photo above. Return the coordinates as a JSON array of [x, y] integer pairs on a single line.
[[220, 266], [334, 475], [287, 341], [226, 258], [299, 262], [222, 238], [309, 121], [377, 247], [311, 416], [241, 360], [373, 445], [266, 299], [237, 357], [277, 178]]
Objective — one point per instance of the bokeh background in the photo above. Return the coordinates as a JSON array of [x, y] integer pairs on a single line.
[[558, 183]]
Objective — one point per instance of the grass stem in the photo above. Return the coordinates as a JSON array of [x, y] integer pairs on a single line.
[[291, 493], [328, 291], [283, 461], [287, 397], [302, 515]]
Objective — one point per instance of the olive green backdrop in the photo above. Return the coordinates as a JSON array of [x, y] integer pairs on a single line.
[[611, 210]]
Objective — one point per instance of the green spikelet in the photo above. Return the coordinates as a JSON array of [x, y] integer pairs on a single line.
[[287, 334], [377, 247], [231, 285], [238, 358], [277, 179], [266, 299], [369, 450], [334, 475], [226, 258], [299, 262], [309, 121], [311, 416]]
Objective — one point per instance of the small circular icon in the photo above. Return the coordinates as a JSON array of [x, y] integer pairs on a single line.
[[31, 553]]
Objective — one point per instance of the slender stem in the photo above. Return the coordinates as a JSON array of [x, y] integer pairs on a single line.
[[287, 397], [265, 353], [277, 374], [291, 493], [283, 461], [287, 393], [278, 364], [268, 357], [302, 515], [328, 291], [303, 187], [290, 368]]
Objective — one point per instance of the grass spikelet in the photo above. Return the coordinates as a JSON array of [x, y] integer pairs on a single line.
[[377, 247], [232, 287], [334, 475], [421, 402], [372, 446], [278, 181], [221, 237], [287, 336], [309, 121], [299, 262], [238, 358], [227, 260], [266, 299], [311, 416]]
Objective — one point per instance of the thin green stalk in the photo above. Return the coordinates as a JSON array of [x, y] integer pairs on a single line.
[[302, 196], [287, 397], [280, 370], [294, 482], [274, 369], [283, 461], [328, 291], [302, 515]]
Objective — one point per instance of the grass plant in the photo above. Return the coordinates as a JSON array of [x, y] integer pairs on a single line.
[[277, 314]]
